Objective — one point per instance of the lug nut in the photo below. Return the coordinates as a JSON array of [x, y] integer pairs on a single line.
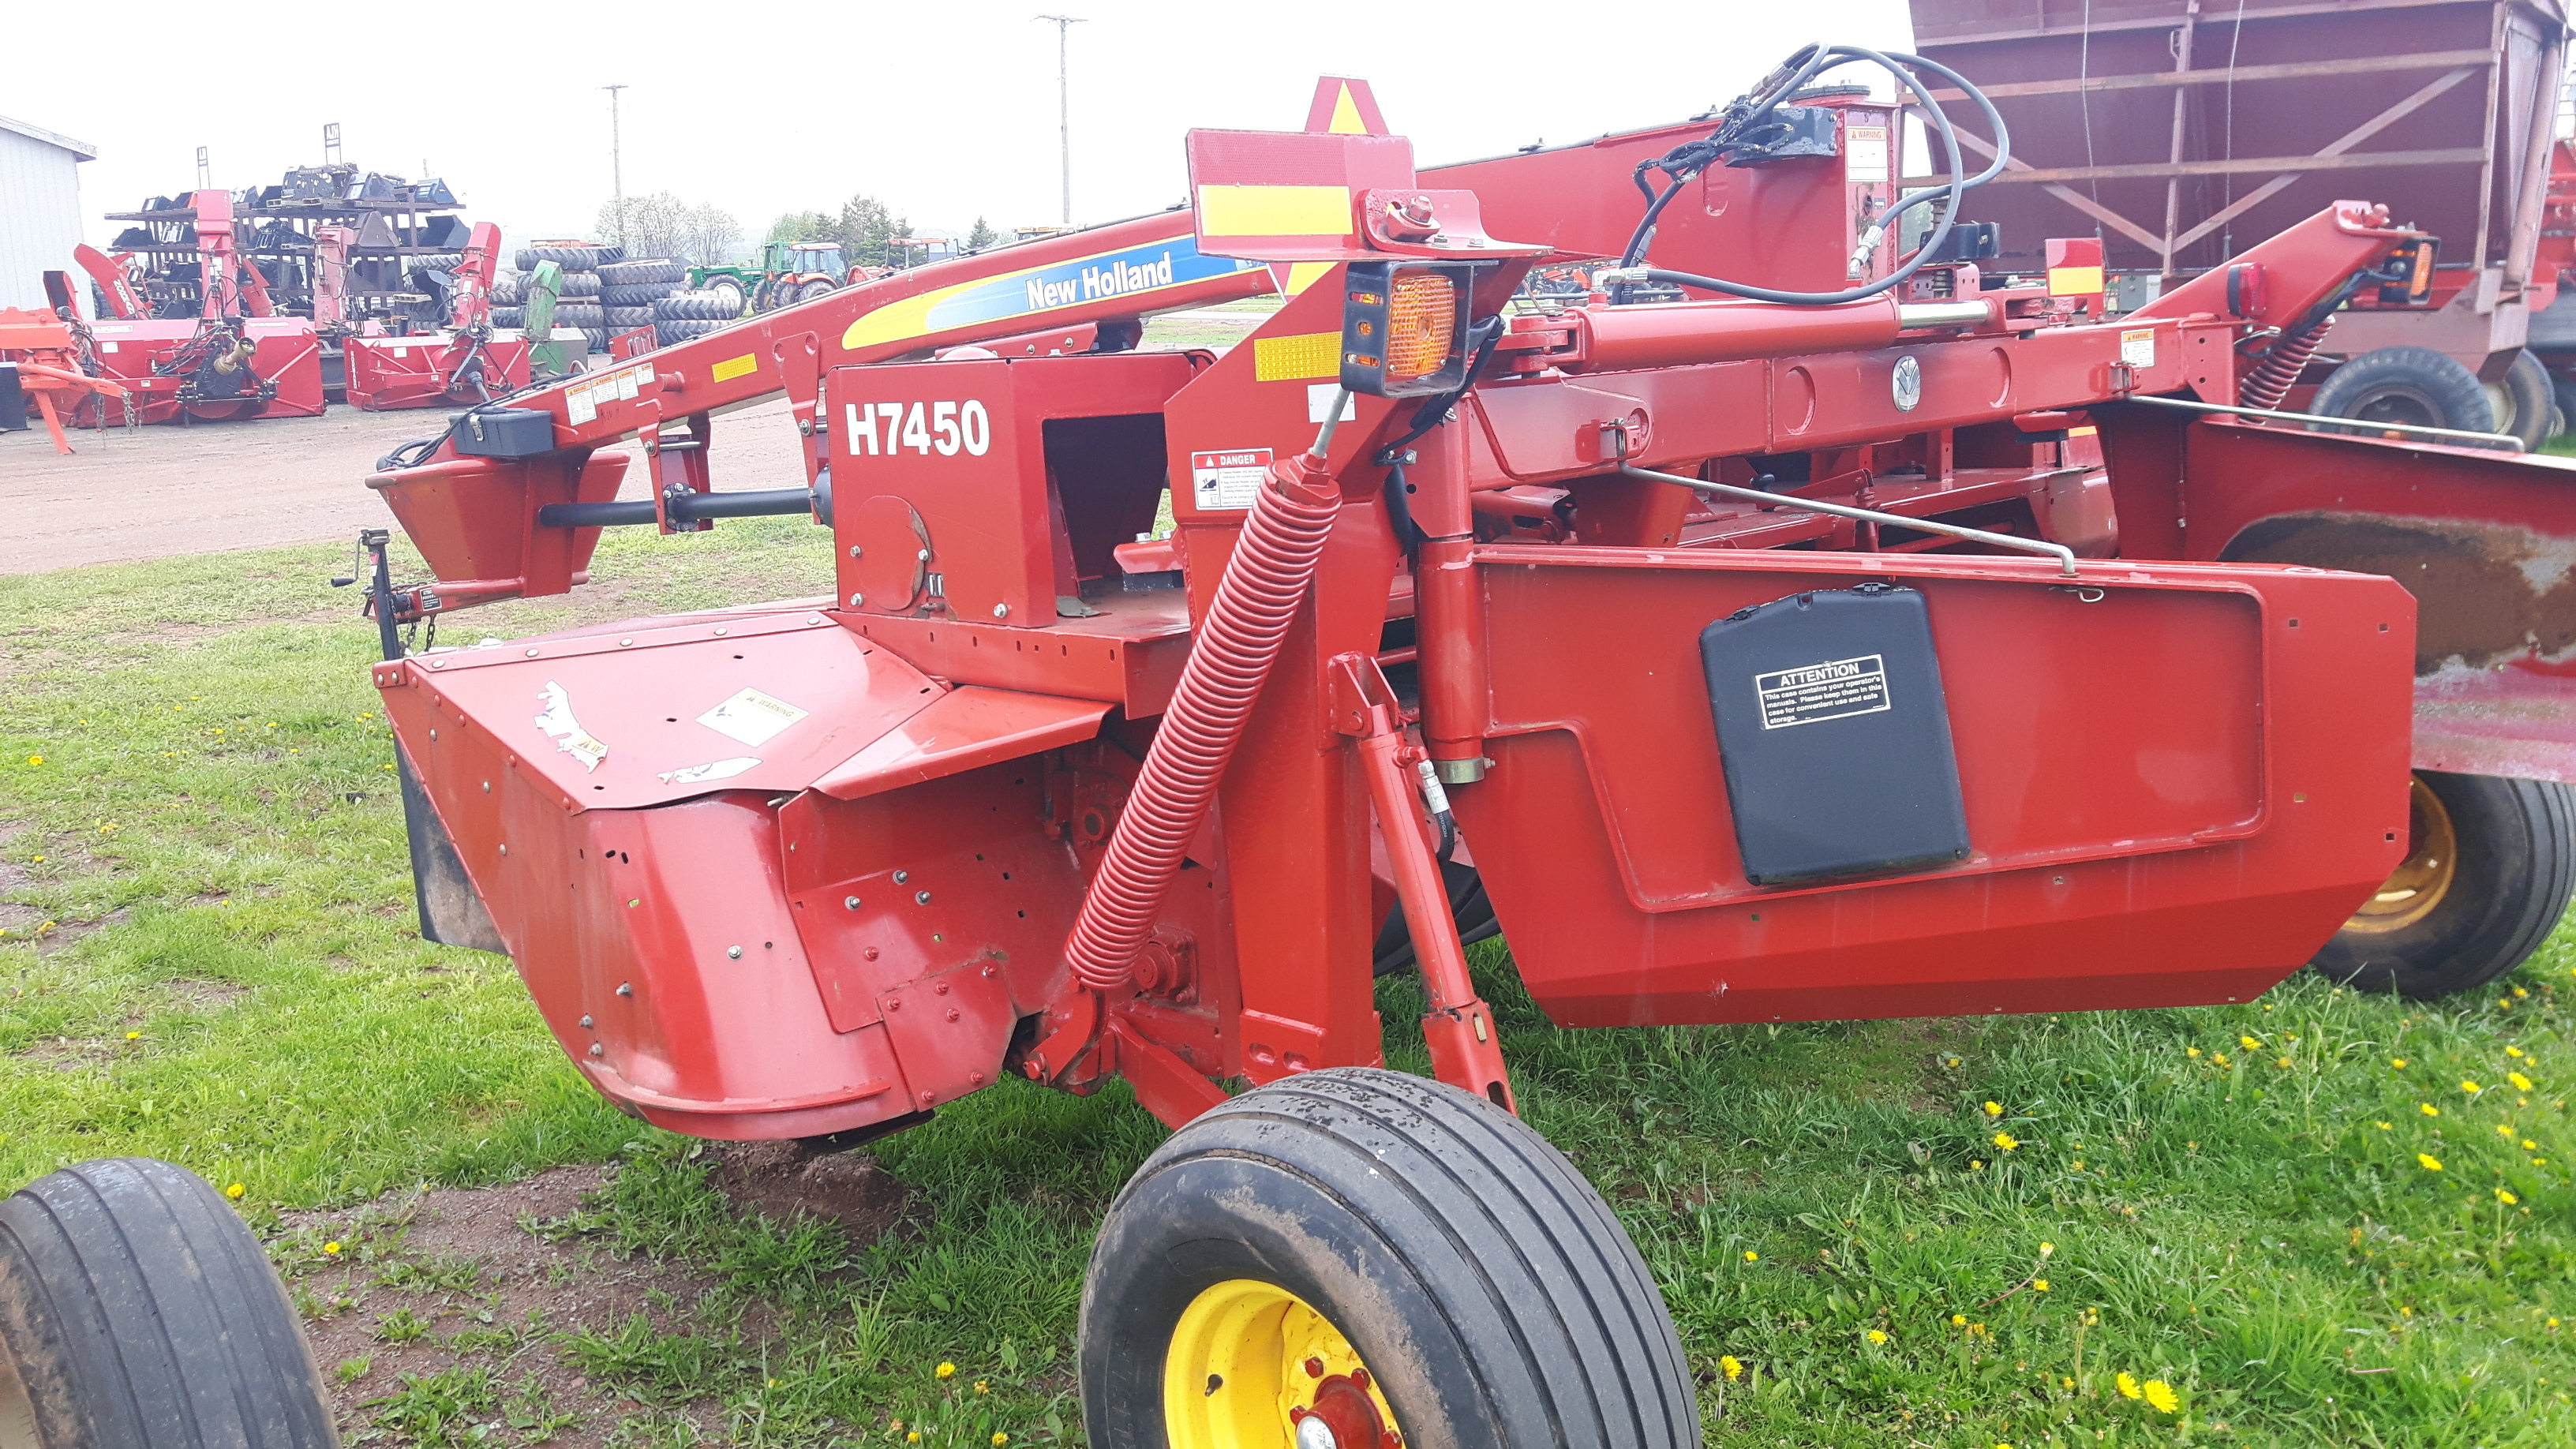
[[1314, 1368]]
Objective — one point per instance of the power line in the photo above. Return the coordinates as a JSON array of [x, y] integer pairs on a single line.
[[1064, 102]]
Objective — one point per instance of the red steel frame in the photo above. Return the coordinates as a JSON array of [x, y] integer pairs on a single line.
[[465, 365], [154, 360], [784, 871]]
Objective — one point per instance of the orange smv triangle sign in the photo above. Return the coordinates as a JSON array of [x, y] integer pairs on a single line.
[[1344, 106]]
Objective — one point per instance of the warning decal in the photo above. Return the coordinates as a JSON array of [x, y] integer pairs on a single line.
[[2138, 347], [1836, 689], [1865, 153], [1227, 479]]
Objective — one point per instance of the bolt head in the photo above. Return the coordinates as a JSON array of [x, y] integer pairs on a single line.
[[857, 599], [585, 1023], [597, 1050], [1314, 1368], [901, 876], [626, 988], [921, 898], [854, 550], [733, 953], [1001, 611], [850, 902], [922, 556]]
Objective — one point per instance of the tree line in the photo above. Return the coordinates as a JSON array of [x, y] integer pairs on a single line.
[[866, 228]]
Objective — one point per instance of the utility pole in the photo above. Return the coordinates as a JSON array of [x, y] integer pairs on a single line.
[[616, 165], [1064, 103]]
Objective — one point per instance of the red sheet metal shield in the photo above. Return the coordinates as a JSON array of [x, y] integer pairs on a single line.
[[2178, 781]]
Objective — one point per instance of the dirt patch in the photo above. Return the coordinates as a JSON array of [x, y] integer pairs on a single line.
[[194, 994], [470, 1280], [780, 1180]]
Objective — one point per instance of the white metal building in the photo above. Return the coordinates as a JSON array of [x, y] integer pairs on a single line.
[[40, 216]]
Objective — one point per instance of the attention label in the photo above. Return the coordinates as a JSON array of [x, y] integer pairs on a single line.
[[1227, 479], [1836, 689]]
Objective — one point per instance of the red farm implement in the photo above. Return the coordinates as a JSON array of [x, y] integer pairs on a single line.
[[1867, 638], [236, 359], [54, 369], [466, 364]]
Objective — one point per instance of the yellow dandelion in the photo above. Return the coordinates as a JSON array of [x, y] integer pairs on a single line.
[[1994, 1109], [946, 1371], [2191, 1051], [912, 1436], [2079, 1164], [2504, 1129], [2519, 992], [2047, 1248], [2128, 1386], [2513, 1051], [1975, 1329], [1751, 1256], [2280, 1061], [1958, 1320], [2530, 1146], [2398, 1062], [35, 759], [2470, 1087], [235, 1191], [1878, 1335], [2218, 1059], [1976, 1164], [331, 1248], [2007, 1141], [2430, 1162], [2039, 1285], [2520, 1082], [2160, 1396], [2385, 1126], [2428, 1109], [134, 1036], [1733, 1367], [2507, 1198], [2250, 1043], [983, 1386], [1000, 1439]]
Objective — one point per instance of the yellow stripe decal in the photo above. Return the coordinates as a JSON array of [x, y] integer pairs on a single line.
[[1274, 211], [733, 367], [1346, 115], [2074, 281], [1297, 359]]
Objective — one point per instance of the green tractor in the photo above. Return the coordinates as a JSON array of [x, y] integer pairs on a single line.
[[789, 273]]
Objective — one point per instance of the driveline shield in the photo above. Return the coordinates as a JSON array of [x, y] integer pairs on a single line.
[[1834, 735]]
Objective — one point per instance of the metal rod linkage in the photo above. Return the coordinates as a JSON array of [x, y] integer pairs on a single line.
[[2359, 425], [2065, 556]]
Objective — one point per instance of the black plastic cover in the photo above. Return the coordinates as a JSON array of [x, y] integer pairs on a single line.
[[504, 432], [1835, 736]]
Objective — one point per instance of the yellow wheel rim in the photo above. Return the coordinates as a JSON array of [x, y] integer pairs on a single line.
[[1251, 1366], [2418, 884]]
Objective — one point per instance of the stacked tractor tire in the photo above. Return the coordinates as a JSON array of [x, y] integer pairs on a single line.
[[683, 315], [603, 294]]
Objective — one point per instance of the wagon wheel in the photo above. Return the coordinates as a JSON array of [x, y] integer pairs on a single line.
[[2489, 866], [1360, 1259], [137, 1310]]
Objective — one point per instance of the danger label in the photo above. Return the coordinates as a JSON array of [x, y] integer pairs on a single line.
[[1227, 479], [1835, 689], [2138, 347]]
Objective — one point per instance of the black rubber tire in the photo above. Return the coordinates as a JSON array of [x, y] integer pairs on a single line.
[[695, 307], [726, 287], [2405, 385], [509, 316], [597, 337], [819, 287], [578, 284], [1487, 1287], [510, 289], [621, 318], [634, 294], [579, 314], [2523, 403], [137, 1311], [571, 259], [2516, 870], [2564, 386], [681, 329], [653, 269]]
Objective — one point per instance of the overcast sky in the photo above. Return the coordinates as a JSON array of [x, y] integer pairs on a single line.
[[946, 111]]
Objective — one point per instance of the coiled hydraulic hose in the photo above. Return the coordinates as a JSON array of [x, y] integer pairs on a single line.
[[1741, 123], [1265, 582]]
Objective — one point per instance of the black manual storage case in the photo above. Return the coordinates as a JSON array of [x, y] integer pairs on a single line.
[[1834, 735], [504, 432]]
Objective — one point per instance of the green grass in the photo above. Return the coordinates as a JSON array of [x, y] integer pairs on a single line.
[[232, 979]]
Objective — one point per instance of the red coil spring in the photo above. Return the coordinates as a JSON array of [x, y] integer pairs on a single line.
[[1265, 581], [2271, 378]]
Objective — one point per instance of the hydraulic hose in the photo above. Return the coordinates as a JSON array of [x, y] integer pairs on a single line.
[[1265, 581], [1750, 112]]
